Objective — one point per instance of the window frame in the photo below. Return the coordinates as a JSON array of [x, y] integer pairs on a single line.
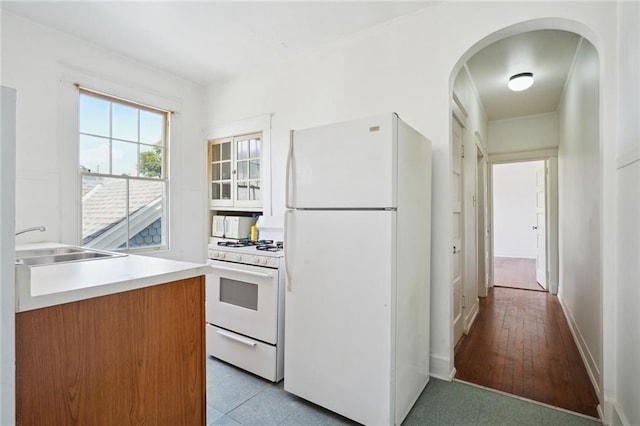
[[163, 179]]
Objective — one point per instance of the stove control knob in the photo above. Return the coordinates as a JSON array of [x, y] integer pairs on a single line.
[[221, 255], [256, 260]]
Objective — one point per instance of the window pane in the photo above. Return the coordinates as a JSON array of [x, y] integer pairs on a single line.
[[150, 161], [243, 150], [225, 153], [254, 169], [104, 207], [146, 213], [254, 148], [216, 192], [216, 152], [254, 190], [151, 125], [215, 171], [125, 122], [124, 158], [94, 154], [94, 115], [226, 191], [226, 170], [243, 172], [243, 191]]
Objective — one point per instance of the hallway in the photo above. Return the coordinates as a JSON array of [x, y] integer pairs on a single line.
[[521, 344], [516, 272]]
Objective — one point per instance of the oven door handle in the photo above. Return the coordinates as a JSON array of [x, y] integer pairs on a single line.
[[241, 271], [236, 338]]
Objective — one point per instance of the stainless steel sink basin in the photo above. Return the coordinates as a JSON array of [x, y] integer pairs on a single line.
[[48, 256], [53, 251]]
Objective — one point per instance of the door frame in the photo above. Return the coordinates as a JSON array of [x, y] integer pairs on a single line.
[[458, 114], [483, 224], [550, 157]]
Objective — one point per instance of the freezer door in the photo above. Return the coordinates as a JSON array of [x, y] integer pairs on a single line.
[[344, 165], [339, 311]]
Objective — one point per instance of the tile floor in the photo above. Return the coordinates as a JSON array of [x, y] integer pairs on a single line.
[[235, 397]]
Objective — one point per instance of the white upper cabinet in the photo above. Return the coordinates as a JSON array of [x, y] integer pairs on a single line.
[[235, 172]]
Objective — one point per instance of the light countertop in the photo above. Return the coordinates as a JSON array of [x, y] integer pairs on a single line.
[[60, 283]]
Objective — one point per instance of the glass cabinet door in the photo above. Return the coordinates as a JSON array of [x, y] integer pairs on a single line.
[[248, 151], [235, 171], [221, 170]]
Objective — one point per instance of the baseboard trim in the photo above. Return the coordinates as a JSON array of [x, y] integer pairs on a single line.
[[617, 417], [473, 315], [585, 354], [441, 368]]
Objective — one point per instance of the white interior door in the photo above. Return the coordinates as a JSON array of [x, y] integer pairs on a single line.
[[458, 225], [540, 226]]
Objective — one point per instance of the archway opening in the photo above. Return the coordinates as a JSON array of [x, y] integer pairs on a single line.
[[556, 122]]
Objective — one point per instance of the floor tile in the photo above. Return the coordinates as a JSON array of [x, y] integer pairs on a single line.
[[307, 414], [228, 387], [269, 407], [213, 414], [224, 420], [235, 397]]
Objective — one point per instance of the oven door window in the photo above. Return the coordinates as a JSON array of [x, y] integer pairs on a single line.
[[239, 293]]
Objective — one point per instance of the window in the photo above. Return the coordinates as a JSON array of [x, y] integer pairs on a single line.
[[123, 173]]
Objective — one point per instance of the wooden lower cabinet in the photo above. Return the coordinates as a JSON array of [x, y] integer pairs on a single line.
[[130, 358]]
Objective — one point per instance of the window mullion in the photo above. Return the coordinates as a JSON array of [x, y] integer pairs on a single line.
[[127, 193]]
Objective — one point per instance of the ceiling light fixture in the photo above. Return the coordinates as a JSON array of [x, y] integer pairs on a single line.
[[520, 82]]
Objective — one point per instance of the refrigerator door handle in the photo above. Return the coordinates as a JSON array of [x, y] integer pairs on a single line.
[[287, 212], [288, 171]]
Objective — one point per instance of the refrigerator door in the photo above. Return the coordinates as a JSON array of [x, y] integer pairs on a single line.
[[344, 165], [339, 311]]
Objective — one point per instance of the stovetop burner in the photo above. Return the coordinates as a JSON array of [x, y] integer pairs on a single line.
[[265, 245]]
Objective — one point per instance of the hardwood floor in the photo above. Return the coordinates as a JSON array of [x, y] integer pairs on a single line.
[[521, 344], [516, 273]]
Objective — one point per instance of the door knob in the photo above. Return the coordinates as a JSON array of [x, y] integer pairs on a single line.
[[534, 227]]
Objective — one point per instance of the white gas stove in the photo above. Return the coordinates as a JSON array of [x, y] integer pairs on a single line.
[[245, 305], [261, 253]]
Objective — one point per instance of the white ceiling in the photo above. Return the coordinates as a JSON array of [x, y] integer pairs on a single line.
[[548, 54], [204, 41]]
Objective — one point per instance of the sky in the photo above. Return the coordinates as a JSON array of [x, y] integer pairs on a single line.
[[120, 129]]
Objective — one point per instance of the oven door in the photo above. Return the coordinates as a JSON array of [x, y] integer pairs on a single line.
[[243, 299]]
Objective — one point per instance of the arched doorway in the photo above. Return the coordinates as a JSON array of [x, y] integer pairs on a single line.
[[578, 186]]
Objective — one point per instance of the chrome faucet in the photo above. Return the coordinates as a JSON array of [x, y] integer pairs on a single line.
[[33, 228]]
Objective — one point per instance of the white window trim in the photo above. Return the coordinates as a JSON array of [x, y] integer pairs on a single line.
[[68, 154]]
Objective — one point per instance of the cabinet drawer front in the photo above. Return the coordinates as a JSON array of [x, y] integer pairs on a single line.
[[248, 354]]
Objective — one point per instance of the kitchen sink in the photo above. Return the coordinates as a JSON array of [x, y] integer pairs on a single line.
[[53, 255]]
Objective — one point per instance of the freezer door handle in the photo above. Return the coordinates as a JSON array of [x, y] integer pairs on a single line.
[[288, 171], [286, 244], [236, 338]]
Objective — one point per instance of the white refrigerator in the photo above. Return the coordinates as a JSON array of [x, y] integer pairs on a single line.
[[357, 261]]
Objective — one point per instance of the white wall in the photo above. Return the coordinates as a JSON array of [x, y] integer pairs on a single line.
[[7, 223], [580, 205], [407, 66], [42, 64], [514, 209], [626, 339], [520, 134]]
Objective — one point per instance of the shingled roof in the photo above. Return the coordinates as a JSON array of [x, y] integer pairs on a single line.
[[104, 205]]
